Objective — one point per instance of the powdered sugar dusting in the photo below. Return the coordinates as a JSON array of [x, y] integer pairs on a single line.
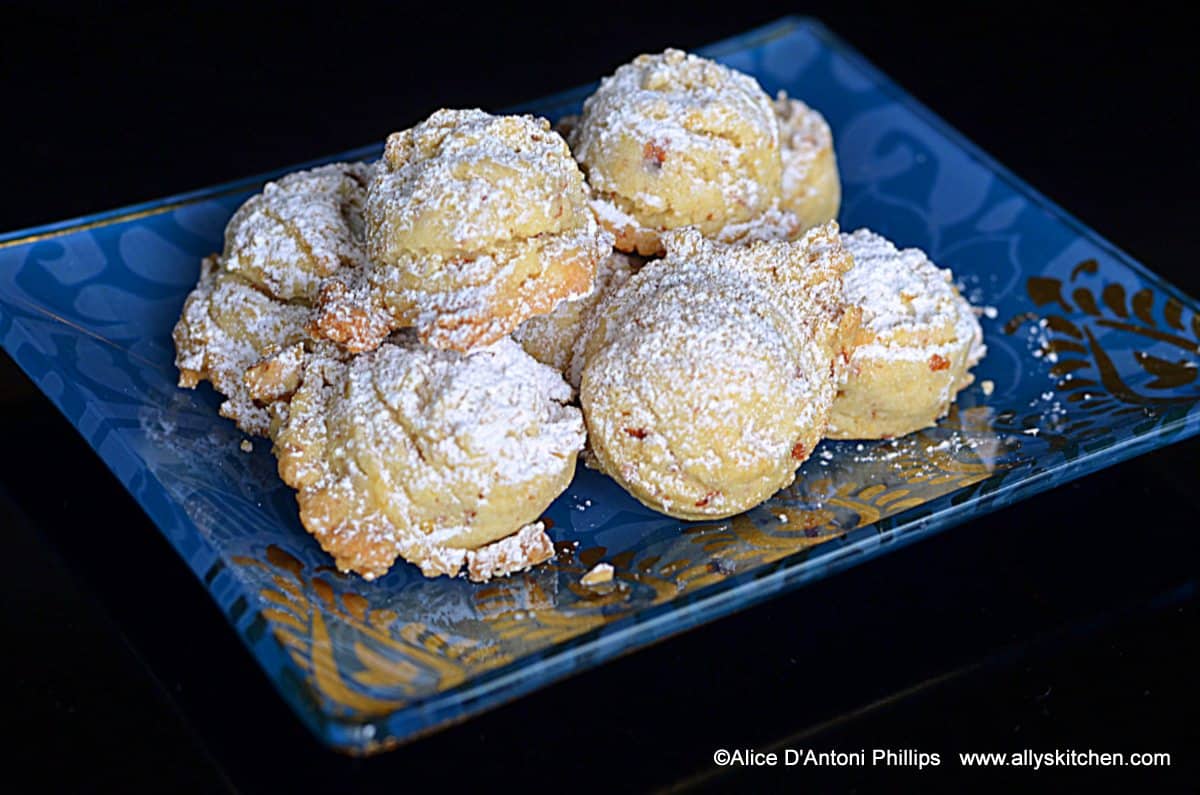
[[551, 338], [773, 224], [474, 224], [527, 547], [300, 230], [708, 129], [903, 294], [920, 340], [679, 366], [806, 136], [228, 325], [426, 454], [253, 302], [463, 181]]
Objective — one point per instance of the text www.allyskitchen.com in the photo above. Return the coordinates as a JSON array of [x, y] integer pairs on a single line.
[[920, 760], [1037, 760]]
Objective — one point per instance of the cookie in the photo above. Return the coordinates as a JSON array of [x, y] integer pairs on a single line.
[[444, 459], [810, 189], [674, 140], [708, 377], [474, 224], [551, 338], [299, 231], [227, 326], [922, 339]]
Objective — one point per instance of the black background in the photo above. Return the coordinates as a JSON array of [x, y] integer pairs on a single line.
[[1068, 621]]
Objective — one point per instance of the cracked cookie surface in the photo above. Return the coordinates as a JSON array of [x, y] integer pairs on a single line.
[[442, 458], [474, 224]]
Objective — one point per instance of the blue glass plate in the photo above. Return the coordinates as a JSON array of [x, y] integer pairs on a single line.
[[1093, 359]]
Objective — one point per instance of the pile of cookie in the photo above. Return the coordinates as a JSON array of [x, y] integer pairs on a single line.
[[431, 340]]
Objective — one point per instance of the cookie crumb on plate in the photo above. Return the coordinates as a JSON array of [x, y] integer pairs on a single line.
[[598, 575]]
